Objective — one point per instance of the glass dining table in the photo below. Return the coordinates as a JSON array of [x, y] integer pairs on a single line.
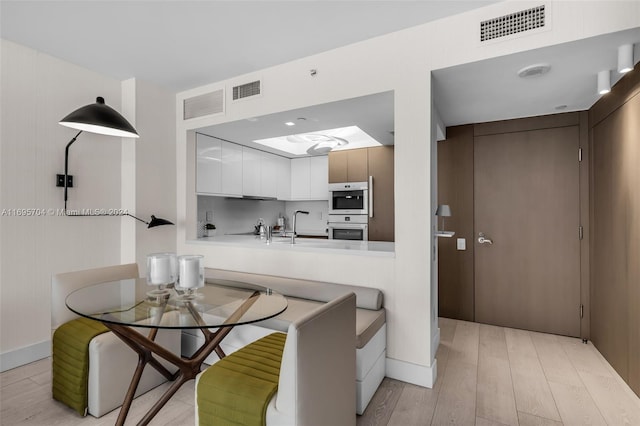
[[127, 307]]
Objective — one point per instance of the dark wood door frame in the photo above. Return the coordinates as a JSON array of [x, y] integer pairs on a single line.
[[452, 187]]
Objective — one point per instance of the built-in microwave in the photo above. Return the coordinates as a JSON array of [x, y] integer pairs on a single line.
[[348, 227], [348, 198]]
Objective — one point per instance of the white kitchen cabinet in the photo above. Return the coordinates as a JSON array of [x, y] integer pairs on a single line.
[[300, 178], [208, 165], [231, 169], [259, 173], [309, 178], [268, 175], [319, 178], [251, 162], [283, 183], [218, 167]]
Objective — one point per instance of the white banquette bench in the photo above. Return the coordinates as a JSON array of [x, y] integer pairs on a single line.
[[304, 296], [111, 361]]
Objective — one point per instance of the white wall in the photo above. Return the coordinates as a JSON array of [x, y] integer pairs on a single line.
[[155, 170], [110, 173], [402, 62], [235, 215], [37, 91]]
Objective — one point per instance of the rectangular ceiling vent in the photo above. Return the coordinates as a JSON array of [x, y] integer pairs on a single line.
[[246, 90], [518, 22], [201, 105]]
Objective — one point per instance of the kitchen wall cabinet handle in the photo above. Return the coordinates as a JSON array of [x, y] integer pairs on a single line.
[[370, 196]]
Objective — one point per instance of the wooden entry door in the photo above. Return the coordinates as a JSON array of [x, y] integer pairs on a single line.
[[526, 202]]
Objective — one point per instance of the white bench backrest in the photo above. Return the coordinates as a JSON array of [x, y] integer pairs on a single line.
[[65, 283], [318, 366]]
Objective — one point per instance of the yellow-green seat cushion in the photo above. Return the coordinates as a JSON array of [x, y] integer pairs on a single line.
[[237, 389], [70, 367]]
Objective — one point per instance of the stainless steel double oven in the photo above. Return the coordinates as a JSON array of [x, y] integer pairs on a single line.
[[349, 211]]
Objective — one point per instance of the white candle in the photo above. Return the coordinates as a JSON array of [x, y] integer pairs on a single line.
[[161, 268], [191, 272]]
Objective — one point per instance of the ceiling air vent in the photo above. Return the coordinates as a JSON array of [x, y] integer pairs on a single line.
[[201, 105], [518, 22], [246, 90]]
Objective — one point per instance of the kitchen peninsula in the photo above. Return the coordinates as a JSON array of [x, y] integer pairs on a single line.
[[314, 245]]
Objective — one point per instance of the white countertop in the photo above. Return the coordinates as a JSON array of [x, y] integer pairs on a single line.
[[318, 245]]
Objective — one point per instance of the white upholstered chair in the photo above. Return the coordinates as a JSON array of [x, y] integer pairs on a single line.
[[111, 361], [318, 369]]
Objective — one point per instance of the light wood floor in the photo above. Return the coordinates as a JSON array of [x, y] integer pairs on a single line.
[[486, 376]]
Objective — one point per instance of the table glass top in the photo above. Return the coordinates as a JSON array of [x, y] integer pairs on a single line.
[[218, 303]]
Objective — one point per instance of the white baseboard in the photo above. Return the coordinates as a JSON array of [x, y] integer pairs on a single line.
[[26, 355], [420, 375]]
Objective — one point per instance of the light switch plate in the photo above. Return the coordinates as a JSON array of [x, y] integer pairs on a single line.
[[461, 243]]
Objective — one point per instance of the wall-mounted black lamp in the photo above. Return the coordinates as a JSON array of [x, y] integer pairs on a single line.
[[102, 119]]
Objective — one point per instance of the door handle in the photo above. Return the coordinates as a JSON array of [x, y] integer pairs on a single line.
[[484, 240]]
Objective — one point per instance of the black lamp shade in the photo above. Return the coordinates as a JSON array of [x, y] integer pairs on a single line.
[[157, 221], [100, 118]]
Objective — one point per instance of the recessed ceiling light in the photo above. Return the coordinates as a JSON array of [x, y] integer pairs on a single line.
[[252, 119], [290, 123], [534, 70], [560, 107]]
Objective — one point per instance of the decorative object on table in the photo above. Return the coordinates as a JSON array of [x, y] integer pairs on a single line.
[[443, 211], [190, 276], [162, 270], [210, 230], [101, 119]]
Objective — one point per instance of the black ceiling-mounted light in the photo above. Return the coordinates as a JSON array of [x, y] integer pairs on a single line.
[[102, 119]]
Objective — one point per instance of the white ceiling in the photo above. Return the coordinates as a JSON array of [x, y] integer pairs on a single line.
[[373, 114], [183, 44], [491, 90]]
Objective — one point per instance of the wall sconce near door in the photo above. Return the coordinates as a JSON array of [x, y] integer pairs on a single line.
[[625, 58], [102, 119], [604, 82], [443, 211]]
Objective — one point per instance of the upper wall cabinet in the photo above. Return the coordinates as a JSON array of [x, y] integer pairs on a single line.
[[309, 178], [219, 167], [259, 173], [251, 165], [232, 170], [283, 178], [348, 166]]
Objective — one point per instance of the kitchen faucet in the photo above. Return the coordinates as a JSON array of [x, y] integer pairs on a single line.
[[293, 231]]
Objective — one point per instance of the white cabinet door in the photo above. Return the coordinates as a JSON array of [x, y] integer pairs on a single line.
[[251, 171], [283, 166], [319, 178], [231, 169], [310, 178], [208, 165], [300, 175], [268, 175]]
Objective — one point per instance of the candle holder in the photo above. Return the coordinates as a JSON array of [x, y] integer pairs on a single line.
[[162, 270], [190, 277]]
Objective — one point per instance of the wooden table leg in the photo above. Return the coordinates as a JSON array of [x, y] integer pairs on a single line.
[[188, 368]]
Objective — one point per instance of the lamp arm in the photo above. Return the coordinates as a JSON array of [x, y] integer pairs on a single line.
[[136, 218], [66, 168]]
